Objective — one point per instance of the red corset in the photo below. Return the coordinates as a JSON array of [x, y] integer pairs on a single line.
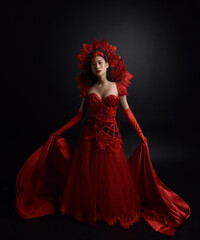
[[101, 123]]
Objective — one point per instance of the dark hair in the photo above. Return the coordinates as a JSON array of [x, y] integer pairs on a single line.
[[93, 79]]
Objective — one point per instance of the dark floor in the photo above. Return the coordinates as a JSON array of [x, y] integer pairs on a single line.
[[176, 163]]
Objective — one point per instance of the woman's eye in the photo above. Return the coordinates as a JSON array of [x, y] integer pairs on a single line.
[[94, 64]]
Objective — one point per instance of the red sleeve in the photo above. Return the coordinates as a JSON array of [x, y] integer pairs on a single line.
[[84, 88], [84, 91], [122, 90], [123, 84]]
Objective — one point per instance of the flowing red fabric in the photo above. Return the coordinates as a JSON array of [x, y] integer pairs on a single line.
[[42, 178], [163, 209], [96, 181]]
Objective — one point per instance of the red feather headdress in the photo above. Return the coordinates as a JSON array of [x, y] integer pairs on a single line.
[[119, 70]]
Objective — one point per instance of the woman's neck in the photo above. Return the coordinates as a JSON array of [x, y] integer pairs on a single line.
[[102, 80]]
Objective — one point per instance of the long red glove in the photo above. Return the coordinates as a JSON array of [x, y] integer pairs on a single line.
[[132, 120], [72, 122]]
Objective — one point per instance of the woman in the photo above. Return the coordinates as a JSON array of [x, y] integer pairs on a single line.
[[97, 181]]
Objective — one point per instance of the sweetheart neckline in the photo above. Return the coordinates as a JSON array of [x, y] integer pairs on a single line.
[[105, 97]]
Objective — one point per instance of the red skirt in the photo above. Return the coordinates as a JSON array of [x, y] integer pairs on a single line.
[[93, 184], [100, 186]]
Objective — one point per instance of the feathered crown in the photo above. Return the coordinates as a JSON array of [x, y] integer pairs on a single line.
[[119, 70]]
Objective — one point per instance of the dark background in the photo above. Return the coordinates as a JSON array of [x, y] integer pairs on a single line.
[[159, 43]]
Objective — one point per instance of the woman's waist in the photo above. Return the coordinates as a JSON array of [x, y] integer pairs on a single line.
[[92, 120], [102, 116], [93, 126]]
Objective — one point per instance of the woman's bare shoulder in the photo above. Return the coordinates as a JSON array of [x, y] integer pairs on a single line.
[[92, 88]]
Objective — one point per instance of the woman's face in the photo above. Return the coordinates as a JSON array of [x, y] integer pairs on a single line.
[[99, 66]]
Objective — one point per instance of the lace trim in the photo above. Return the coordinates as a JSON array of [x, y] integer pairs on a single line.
[[125, 222]]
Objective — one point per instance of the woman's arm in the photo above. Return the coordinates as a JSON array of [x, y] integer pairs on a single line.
[[131, 118], [124, 102], [73, 121], [84, 105]]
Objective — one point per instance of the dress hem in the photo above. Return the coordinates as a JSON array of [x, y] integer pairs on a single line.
[[125, 222]]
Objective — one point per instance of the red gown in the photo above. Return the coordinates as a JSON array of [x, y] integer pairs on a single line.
[[97, 181]]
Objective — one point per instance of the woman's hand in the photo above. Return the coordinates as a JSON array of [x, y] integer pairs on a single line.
[[54, 134], [74, 120], [143, 138]]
